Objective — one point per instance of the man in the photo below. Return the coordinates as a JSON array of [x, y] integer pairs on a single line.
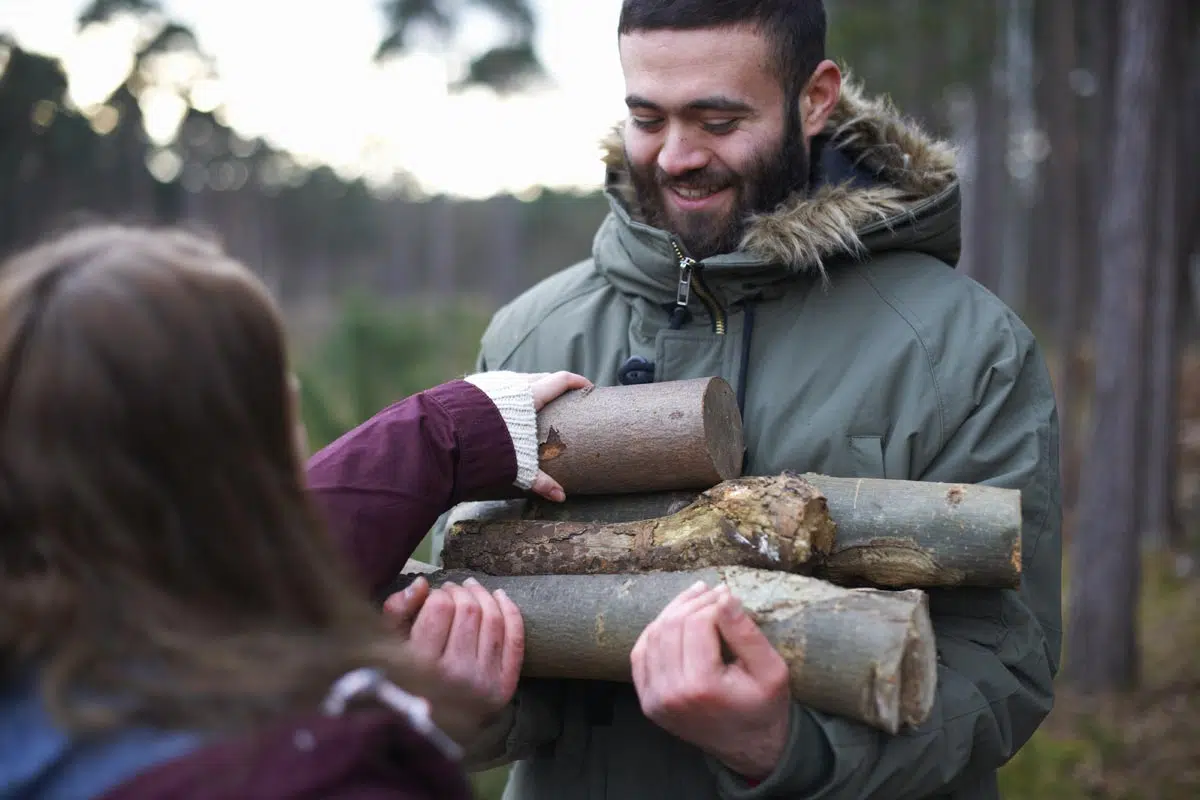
[[772, 225]]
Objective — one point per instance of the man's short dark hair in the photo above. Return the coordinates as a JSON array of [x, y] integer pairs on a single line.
[[796, 28]]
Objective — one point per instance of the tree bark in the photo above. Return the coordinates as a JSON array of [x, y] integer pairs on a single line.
[[888, 533], [1102, 632], [1062, 123], [1159, 520], [773, 523], [642, 438], [865, 654]]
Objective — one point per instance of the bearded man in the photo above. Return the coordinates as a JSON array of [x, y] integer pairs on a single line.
[[773, 225]]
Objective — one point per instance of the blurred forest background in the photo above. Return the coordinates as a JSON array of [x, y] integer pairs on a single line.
[[1077, 124]]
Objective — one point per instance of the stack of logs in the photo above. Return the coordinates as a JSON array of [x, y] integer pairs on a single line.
[[831, 569]]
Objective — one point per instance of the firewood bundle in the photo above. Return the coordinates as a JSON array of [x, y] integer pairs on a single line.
[[832, 569]]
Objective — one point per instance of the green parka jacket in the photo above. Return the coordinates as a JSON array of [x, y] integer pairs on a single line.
[[858, 350]]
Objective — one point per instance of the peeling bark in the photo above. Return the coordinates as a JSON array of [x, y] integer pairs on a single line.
[[888, 533], [865, 654], [774, 523]]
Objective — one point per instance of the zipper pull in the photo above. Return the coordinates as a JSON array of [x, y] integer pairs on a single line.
[[683, 291], [686, 264]]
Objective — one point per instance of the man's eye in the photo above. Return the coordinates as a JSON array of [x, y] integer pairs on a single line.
[[721, 126], [646, 123]]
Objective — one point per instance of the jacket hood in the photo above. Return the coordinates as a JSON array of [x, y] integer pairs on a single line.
[[879, 182]]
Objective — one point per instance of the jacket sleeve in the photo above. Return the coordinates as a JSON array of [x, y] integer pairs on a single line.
[[384, 483], [998, 650], [533, 717]]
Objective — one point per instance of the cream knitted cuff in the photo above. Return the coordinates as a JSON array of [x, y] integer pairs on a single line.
[[511, 393]]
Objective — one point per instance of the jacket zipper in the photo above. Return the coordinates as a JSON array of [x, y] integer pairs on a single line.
[[689, 279]]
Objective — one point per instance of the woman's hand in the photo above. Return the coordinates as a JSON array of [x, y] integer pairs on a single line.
[[474, 638], [546, 387]]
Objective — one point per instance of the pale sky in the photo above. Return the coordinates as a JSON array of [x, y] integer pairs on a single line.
[[314, 90]]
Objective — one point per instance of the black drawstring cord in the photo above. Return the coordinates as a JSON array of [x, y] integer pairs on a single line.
[[743, 374], [747, 335]]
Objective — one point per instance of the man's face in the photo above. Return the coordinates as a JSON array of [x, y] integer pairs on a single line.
[[711, 136]]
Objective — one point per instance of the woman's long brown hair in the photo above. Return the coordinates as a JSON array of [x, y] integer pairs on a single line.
[[159, 559]]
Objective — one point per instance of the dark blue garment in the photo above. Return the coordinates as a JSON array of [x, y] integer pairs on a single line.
[[40, 760]]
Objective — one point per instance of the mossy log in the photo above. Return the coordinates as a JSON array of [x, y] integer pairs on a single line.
[[775, 523], [642, 438], [865, 654], [888, 533]]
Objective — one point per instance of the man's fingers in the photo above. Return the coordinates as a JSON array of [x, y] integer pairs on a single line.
[[545, 389], [401, 608], [665, 658], [513, 655], [748, 643], [701, 644], [683, 598], [548, 488]]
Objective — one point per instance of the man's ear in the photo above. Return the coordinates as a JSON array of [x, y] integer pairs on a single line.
[[820, 97]]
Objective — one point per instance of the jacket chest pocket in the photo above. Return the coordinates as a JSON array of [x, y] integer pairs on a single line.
[[864, 457], [686, 354]]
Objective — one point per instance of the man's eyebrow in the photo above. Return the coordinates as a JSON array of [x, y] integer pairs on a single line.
[[637, 101], [713, 103], [720, 103]]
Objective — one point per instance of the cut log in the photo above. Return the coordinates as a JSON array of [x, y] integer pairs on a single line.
[[774, 523], [889, 533], [865, 654], [922, 534], [642, 438]]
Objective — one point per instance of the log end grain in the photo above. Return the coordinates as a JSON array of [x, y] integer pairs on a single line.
[[918, 668], [723, 429]]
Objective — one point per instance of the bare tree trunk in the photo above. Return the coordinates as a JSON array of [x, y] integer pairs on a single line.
[[441, 252], [1102, 643], [1100, 38], [503, 265], [1021, 165], [990, 173], [1160, 522], [1064, 188]]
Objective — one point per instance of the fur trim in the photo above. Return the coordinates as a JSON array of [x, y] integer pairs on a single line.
[[808, 229]]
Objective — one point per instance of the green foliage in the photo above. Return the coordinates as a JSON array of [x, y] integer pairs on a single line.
[[1044, 769], [490, 785], [376, 354]]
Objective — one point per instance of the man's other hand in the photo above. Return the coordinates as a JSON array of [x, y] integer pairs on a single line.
[[738, 712]]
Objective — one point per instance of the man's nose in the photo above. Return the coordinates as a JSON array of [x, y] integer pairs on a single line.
[[680, 155]]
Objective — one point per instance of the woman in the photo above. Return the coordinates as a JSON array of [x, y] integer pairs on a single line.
[[176, 620]]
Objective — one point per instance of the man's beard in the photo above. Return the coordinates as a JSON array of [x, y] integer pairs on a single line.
[[769, 179]]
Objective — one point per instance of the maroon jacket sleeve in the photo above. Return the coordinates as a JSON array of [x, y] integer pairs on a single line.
[[370, 755], [383, 485]]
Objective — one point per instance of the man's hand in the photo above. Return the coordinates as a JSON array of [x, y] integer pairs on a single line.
[[546, 387], [737, 712], [473, 637]]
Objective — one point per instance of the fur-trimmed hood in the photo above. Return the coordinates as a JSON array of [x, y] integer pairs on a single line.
[[883, 183]]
